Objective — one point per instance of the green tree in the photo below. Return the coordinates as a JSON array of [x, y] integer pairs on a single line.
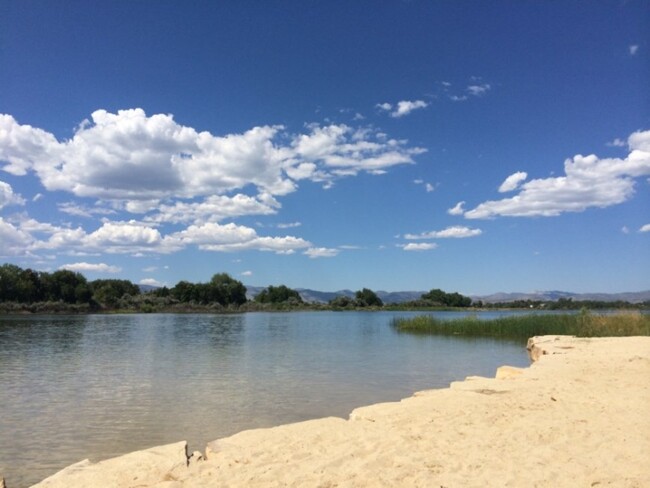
[[367, 298], [227, 289], [457, 300], [278, 294], [161, 292], [341, 302], [109, 292], [28, 287], [439, 297], [183, 291], [222, 289], [68, 286], [436, 296], [9, 274]]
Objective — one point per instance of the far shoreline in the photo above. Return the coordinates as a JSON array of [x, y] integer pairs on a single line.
[[40, 308]]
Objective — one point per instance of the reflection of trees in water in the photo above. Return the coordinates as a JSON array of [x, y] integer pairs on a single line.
[[43, 334], [226, 330], [278, 326], [217, 331]]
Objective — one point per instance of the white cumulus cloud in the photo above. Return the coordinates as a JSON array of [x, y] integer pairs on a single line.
[[513, 181], [278, 245], [403, 107], [478, 90], [72, 208], [342, 151], [129, 156], [321, 252], [420, 246], [214, 209], [15, 241], [21, 146], [8, 197], [588, 182], [454, 232], [645, 228], [111, 237], [457, 209], [429, 187], [124, 234], [213, 233], [168, 173], [139, 238], [150, 282], [289, 225], [616, 143], [232, 237], [94, 267]]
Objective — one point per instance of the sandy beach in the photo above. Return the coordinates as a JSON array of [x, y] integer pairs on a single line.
[[578, 416]]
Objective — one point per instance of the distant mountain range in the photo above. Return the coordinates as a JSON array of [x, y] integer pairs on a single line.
[[325, 296], [407, 296], [552, 296]]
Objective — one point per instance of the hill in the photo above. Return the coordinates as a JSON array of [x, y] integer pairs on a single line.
[[552, 296], [309, 295]]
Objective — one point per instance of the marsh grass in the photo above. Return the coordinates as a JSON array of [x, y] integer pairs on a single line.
[[584, 324]]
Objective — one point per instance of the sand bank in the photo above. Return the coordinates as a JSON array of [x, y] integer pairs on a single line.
[[579, 416]]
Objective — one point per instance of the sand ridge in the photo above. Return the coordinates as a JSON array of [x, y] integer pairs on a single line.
[[577, 417]]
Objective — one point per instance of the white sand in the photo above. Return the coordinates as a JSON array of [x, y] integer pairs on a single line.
[[579, 416]]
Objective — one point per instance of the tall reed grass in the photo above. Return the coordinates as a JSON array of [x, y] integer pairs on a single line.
[[584, 324]]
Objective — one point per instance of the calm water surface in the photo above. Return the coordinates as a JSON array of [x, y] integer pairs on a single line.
[[97, 386]]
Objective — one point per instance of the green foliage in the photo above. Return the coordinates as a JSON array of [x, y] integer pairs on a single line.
[[109, 292], [524, 326], [231, 290], [221, 289], [568, 304], [279, 294], [439, 297], [341, 302], [9, 275], [28, 290], [367, 298], [161, 292], [28, 286], [66, 286]]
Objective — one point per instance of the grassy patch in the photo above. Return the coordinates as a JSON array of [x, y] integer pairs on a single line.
[[584, 324]]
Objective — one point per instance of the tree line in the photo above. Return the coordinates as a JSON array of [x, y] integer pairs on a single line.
[[65, 290], [28, 287], [567, 304]]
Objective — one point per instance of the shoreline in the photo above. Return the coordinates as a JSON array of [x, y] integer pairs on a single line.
[[576, 417], [61, 309]]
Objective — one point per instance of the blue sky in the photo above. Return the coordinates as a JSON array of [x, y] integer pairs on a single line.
[[399, 145]]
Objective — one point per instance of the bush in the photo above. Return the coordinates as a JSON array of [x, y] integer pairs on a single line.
[[279, 294], [367, 298]]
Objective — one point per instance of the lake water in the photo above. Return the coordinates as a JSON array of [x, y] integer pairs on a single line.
[[97, 386]]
